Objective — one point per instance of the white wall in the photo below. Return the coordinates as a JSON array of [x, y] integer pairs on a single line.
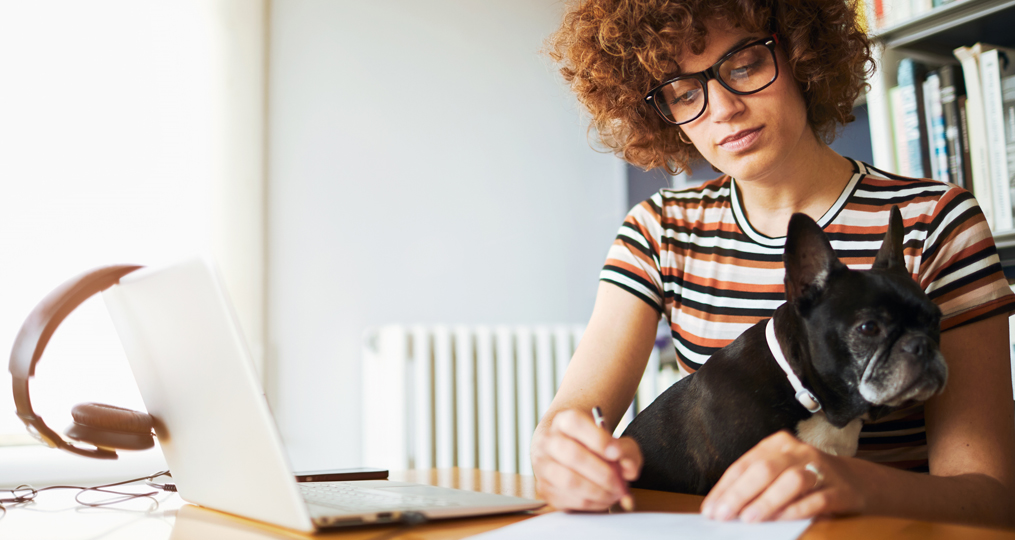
[[425, 164]]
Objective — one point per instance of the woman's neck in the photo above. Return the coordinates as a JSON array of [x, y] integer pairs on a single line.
[[809, 182]]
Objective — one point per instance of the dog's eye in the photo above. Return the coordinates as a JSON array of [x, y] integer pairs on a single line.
[[870, 328]]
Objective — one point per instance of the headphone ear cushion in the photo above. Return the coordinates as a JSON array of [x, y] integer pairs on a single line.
[[106, 426]]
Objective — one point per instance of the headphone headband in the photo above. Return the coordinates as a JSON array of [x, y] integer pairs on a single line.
[[34, 335]]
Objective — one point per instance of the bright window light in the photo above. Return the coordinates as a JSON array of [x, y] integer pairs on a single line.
[[105, 158]]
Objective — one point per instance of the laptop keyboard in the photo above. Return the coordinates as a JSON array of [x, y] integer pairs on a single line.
[[354, 499]]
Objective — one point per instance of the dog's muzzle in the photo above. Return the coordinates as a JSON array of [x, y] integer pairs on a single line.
[[913, 370]]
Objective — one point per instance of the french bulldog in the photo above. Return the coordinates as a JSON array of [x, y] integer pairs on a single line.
[[855, 345]]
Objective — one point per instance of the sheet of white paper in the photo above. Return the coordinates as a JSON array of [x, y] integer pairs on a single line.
[[647, 525]]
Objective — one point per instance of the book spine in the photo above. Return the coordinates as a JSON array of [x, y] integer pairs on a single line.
[[969, 57], [967, 159], [936, 127], [903, 11], [914, 132], [896, 12], [1008, 102], [879, 112], [899, 131], [993, 116], [926, 120], [950, 109]]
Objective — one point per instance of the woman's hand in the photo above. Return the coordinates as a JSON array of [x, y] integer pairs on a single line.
[[582, 467], [783, 478]]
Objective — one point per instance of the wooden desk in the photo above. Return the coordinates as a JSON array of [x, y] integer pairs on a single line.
[[56, 516]]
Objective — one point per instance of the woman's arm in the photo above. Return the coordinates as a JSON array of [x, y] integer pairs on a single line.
[[971, 427], [610, 360], [576, 462], [971, 445]]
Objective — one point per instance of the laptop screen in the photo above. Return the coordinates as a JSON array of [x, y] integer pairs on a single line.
[[198, 381]]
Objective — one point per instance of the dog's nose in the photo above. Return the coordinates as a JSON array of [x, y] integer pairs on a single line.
[[917, 346]]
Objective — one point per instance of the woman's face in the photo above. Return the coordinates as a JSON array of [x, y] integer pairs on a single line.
[[754, 136]]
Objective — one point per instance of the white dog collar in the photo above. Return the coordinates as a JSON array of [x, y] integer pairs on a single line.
[[803, 395]]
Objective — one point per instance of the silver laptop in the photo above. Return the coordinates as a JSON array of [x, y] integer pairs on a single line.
[[198, 381]]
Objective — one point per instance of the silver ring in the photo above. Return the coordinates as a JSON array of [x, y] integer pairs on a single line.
[[818, 477]]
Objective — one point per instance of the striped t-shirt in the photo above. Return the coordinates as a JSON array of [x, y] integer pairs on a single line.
[[692, 255]]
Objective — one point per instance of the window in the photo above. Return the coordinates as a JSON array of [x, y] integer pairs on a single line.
[[114, 122]]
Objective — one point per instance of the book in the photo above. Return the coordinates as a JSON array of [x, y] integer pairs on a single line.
[[902, 11], [1008, 106], [896, 102], [927, 121], [969, 58], [997, 63], [914, 132], [878, 9], [935, 120], [967, 161], [895, 12], [950, 91]]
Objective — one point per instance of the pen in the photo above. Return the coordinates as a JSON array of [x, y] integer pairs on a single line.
[[627, 501]]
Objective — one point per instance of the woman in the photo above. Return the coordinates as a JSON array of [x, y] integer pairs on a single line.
[[757, 89]]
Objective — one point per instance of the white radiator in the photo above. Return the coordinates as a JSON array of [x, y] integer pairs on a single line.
[[466, 396]]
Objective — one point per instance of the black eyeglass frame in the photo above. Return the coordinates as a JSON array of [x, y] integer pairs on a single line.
[[712, 73]]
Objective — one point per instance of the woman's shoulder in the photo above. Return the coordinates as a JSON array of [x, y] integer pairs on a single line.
[[880, 180], [707, 193], [683, 208], [879, 190], [687, 204]]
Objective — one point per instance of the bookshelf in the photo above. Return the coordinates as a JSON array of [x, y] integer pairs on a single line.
[[930, 38], [952, 25]]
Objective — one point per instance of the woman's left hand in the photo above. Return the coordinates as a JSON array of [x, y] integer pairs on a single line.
[[783, 478]]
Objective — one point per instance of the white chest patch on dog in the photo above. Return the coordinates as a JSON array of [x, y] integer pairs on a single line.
[[819, 433]]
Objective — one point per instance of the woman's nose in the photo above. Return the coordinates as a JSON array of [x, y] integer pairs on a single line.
[[722, 103]]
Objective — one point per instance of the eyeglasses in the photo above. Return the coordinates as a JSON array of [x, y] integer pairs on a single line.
[[745, 70]]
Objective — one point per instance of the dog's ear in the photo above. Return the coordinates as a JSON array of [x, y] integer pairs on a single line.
[[890, 256], [810, 260]]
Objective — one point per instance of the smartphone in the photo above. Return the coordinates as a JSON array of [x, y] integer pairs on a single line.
[[335, 475]]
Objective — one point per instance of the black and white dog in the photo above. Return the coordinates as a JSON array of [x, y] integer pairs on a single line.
[[846, 346]]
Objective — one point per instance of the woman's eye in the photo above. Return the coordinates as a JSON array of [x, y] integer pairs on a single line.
[[870, 328], [686, 97], [743, 72]]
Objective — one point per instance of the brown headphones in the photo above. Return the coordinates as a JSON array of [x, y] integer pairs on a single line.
[[105, 427]]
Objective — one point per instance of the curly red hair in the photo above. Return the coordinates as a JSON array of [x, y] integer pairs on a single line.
[[612, 52]]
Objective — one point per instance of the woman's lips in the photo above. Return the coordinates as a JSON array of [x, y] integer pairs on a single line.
[[740, 140]]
